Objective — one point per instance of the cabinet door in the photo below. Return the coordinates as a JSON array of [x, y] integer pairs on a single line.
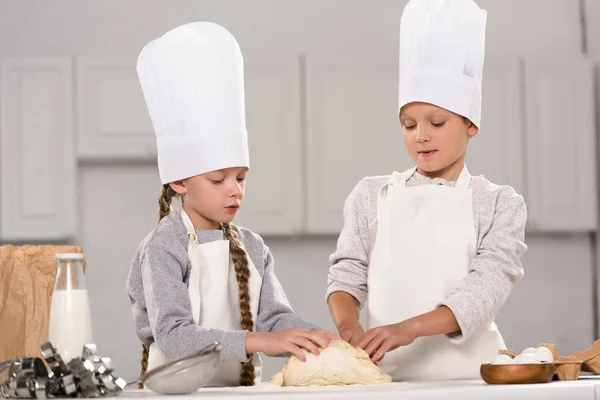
[[37, 160], [496, 151], [561, 145], [273, 203], [113, 121], [352, 132]]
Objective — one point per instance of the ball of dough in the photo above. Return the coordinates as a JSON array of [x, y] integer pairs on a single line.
[[338, 364]]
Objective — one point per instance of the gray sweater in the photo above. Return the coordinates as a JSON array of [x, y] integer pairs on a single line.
[[500, 216], [157, 288]]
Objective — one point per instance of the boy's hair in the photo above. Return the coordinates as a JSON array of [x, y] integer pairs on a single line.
[[242, 274]]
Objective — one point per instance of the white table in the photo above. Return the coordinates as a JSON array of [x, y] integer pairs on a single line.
[[584, 389]]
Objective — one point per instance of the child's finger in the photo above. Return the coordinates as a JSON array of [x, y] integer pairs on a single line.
[[367, 338], [374, 345], [380, 353], [296, 351], [307, 344], [314, 337]]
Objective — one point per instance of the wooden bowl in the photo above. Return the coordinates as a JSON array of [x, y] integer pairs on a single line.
[[517, 373]]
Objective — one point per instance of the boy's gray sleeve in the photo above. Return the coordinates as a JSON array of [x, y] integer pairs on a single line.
[[348, 272], [494, 270]]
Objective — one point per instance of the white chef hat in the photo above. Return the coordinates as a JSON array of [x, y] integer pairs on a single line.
[[442, 48], [192, 78]]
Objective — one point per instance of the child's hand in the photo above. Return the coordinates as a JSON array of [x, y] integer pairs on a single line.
[[327, 335], [380, 340], [352, 334], [292, 341]]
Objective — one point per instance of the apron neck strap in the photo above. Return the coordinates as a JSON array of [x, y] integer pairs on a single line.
[[177, 207], [462, 183]]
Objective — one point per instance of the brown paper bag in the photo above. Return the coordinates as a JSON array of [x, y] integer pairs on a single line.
[[27, 275]]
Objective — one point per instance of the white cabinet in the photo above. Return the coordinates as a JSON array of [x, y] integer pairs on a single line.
[[315, 129], [38, 164], [113, 121], [352, 131], [561, 145], [273, 203], [114, 124], [496, 151], [537, 135]]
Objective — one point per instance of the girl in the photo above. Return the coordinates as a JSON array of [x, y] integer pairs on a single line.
[[432, 251], [197, 278]]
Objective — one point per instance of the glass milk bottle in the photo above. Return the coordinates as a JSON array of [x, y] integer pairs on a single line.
[[70, 326]]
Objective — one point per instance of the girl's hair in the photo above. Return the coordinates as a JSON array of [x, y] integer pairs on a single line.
[[242, 274]]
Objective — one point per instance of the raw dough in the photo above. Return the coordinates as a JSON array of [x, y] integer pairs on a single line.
[[338, 364]]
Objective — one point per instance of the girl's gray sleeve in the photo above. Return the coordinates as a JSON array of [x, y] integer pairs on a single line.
[[349, 263], [274, 310], [494, 270], [169, 310]]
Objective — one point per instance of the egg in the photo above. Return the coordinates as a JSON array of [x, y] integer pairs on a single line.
[[527, 358], [544, 354], [502, 359], [530, 350]]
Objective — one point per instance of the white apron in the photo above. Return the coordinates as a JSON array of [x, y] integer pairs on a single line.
[[425, 242], [214, 297]]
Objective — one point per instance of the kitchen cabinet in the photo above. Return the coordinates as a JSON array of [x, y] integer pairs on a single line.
[[352, 131], [273, 203], [496, 152], [114, 124], [37, 158], [561, 144], [537, 135], [113, 121]]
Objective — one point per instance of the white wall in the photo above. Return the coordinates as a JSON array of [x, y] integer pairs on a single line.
[[118, 202]]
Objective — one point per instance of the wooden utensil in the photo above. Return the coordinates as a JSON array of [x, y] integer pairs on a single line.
[[517, 373]]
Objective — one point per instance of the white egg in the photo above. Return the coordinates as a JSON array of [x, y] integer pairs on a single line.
[[527, 359], [544, 354], [529, 350], [502, 359]]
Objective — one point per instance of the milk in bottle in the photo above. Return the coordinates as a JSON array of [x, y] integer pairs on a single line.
[[70, 326]]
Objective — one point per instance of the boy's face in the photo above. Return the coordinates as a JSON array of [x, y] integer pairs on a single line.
[[436, 139]]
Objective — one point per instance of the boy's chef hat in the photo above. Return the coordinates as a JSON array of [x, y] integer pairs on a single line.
[[442, 46], [192, 78]]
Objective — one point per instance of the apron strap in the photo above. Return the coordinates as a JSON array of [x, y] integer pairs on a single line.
[[462, 183], [401, 178], [177, 207]]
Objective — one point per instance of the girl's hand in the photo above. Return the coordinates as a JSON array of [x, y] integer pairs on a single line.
[[352, 334], [380, 340], [292, 341], [327, 335]]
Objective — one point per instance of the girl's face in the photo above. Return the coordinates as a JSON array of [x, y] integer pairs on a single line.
[[213, 198], [436, 139]]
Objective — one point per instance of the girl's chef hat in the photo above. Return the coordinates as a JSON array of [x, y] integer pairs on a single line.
[[442, 46], [192, 78]]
